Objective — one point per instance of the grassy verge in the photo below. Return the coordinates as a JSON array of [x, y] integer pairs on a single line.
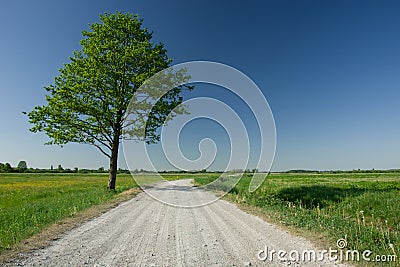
[[363, 209], [31, 202]]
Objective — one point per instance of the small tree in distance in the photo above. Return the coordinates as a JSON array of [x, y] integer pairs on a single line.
[[22, 166], [7, 167], [89, 99]]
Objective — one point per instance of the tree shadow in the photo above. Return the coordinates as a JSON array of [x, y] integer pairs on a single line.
[[318, 195]]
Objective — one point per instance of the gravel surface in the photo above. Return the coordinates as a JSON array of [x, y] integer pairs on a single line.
[[146, 232]]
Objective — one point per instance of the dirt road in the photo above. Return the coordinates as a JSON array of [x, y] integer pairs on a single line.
[[146, 232]]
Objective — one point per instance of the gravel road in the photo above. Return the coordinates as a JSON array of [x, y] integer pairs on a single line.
[[146, 232]]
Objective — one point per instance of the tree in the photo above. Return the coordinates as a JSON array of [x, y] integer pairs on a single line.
[[22, 166], [89, 99], [7, 167]]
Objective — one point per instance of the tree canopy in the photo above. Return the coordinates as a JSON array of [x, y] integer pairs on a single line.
[[22, 165], [88, 100]]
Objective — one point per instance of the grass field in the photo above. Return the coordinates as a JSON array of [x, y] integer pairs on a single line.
[[30, 202], [364, 209]]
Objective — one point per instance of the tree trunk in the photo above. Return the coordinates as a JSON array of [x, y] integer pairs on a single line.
[[113, 163]]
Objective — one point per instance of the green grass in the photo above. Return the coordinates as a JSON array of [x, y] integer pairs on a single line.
[[363, 208], [30, 202]]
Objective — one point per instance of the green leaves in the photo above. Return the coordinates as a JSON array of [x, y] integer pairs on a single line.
[[89, 98]]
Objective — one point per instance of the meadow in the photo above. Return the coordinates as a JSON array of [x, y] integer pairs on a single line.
[[362, 208], [29, 202]]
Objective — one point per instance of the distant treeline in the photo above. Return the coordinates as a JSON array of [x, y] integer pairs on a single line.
[[23, 168]]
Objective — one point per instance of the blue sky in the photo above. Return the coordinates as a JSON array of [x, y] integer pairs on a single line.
[[329, 69]]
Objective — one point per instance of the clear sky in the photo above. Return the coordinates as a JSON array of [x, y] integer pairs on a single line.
[[329, 69]]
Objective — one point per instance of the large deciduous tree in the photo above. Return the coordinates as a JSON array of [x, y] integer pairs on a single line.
[[88, 100]]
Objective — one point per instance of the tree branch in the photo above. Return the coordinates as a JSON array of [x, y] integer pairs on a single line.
[[102, 151], [92, 135]]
